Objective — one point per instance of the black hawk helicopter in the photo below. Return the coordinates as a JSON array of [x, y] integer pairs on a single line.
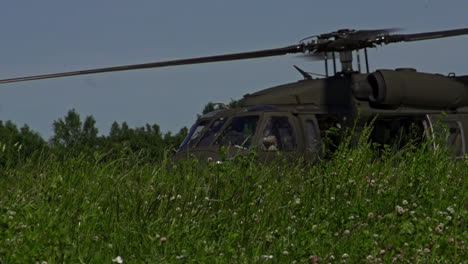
[[294, 117]]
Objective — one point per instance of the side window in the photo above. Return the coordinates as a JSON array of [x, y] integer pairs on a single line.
[[398, 132], [239, 132], [312, 135], [278, 135], [211, 133], [454, 137]]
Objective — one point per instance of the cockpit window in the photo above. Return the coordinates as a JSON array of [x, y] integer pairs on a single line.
[[212, 132], [278, 135], [453, 134], [239, 132], [193, 134]]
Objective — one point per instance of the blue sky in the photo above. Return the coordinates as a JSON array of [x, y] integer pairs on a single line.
[[53, 36]]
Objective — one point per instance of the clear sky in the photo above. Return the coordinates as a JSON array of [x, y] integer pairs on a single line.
[[49, 36]]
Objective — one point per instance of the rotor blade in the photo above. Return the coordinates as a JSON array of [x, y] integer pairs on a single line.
[[319, 56], [217, 58], [427, 35]]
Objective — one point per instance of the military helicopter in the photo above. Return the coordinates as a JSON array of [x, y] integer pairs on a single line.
[[294, 117]]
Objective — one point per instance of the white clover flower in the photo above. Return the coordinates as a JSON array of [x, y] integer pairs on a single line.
[[452, 240], [314, 259], [399, 210], [450, 209], [370, 215], [345, 256], [439, 229], [118, 259], [346, 232], [285, 252], [404, 202], [10, 212], [179, 196], [297, 201]]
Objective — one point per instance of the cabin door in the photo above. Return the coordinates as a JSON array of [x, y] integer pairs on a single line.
[[312, 146], [449, 128]]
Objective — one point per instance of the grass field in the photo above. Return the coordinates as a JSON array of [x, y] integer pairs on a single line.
[[405, 207]]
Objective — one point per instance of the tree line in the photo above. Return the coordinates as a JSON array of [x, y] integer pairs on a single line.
[[74, 136]]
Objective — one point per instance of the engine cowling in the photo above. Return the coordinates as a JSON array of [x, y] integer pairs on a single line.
[[393, 88]]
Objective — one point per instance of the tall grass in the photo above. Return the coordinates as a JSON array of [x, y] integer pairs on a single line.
[[362, 205]]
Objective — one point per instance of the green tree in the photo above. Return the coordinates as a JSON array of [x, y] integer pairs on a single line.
[[90, 131], [67, 131], [18, 144], [71, 132]]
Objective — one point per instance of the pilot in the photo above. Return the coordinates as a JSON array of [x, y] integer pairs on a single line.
[[270, 143]]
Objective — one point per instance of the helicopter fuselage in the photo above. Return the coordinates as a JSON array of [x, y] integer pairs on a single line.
[[305, 118]]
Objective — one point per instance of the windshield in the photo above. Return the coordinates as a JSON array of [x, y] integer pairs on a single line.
[[212, 132], [239, 132], [193, 134]]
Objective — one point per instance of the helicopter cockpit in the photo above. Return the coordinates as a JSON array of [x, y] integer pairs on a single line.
[[267, 129]]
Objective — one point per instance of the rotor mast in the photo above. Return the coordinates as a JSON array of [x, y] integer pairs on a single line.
[[346, 60]]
